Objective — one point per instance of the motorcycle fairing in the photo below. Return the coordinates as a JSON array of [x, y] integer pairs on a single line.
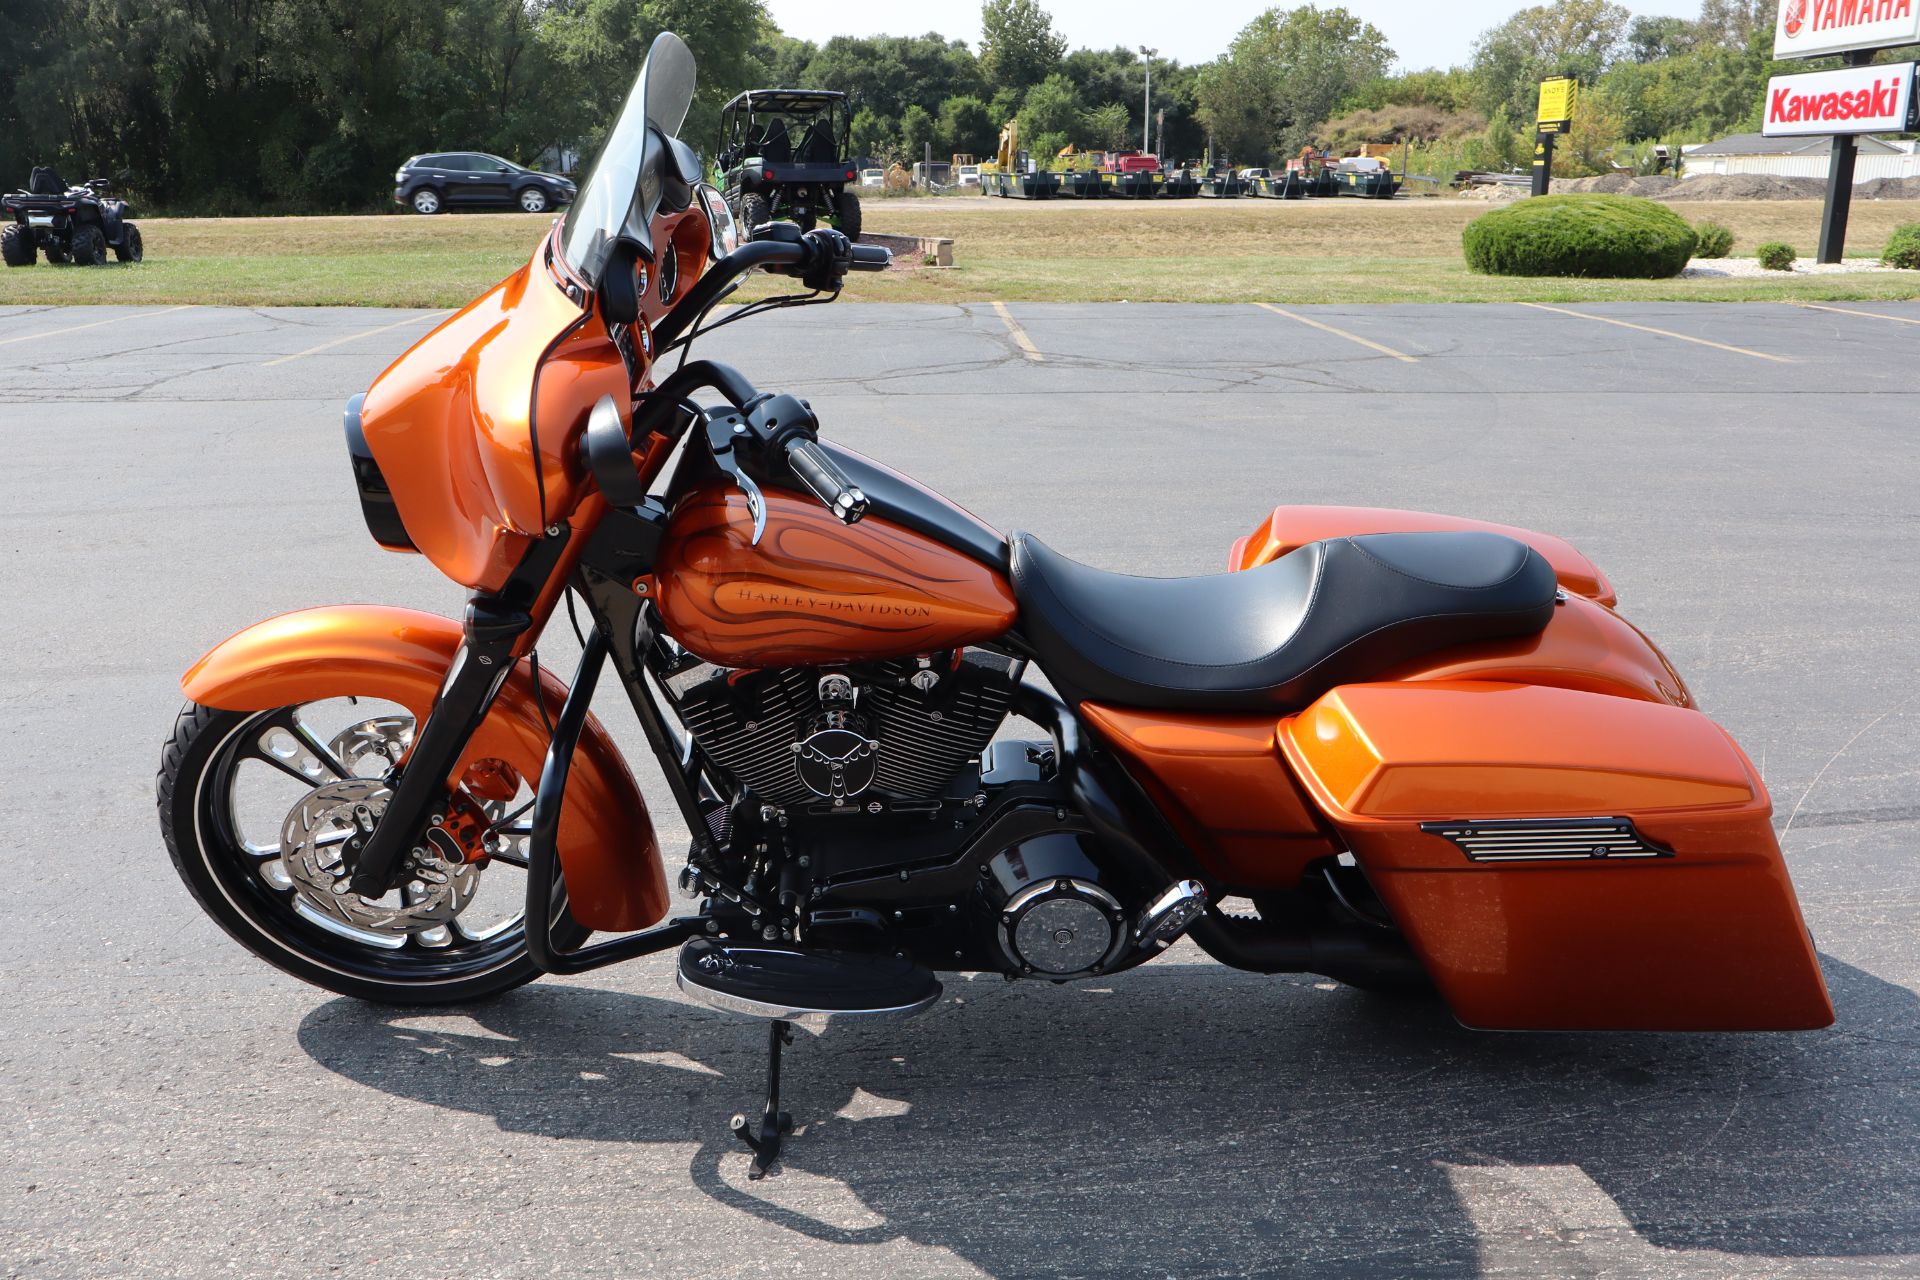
[[1688, 923], [608, 852], [1291, 527]]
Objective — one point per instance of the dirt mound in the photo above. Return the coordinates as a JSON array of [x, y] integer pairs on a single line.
[[1746, 186], [1888, 189], [1617, 184], [1494, 192]]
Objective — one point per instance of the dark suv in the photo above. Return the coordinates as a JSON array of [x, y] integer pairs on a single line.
[[432, 184]]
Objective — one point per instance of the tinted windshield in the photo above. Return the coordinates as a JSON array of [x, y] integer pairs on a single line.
[[622, 191]]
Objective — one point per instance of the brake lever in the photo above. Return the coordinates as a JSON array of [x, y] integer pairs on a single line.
[[723, 433]]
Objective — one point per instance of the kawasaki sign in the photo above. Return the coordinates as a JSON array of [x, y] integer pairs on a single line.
[[1854, 100], [1809, 28]]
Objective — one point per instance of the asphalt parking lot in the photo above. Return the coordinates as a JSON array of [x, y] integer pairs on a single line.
[[1747, 474]]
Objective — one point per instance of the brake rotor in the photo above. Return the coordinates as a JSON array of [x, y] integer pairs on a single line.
[[317, 846]]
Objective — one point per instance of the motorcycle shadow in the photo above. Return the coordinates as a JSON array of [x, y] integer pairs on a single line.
[[1190, 1119]]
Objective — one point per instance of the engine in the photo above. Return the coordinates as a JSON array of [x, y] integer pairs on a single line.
[[880, 812], [873, 735]]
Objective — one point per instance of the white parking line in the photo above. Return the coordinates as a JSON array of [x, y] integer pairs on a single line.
[[1020, 338], [355, 337], [1368, 343], [1846, 311], [94, 324], [1665, 333]]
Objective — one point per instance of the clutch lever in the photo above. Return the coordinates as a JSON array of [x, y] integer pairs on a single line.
[[724, 432]]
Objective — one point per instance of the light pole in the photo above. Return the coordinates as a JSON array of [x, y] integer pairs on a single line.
[[1146, 110]]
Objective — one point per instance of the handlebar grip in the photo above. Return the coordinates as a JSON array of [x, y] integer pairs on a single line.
[[871, 257], [824, 479]]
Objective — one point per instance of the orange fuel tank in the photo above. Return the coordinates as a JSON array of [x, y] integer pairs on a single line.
[[815, 590]]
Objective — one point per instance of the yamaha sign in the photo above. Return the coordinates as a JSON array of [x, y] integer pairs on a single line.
[[1810, 28], [1854, 100]]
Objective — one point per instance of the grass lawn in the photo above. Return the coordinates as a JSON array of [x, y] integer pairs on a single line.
[[1053, 251]]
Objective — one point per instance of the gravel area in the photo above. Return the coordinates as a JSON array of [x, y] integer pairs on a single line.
[[1750, 268]]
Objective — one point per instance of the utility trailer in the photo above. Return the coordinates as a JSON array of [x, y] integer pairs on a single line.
[[1181, 184], [1366, 177], [1226, 186], [1016, 185], [1131, 175]]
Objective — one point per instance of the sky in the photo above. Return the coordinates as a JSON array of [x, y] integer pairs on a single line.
[[1423, 33]]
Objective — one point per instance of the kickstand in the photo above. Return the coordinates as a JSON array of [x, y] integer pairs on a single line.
[[774, 1123]]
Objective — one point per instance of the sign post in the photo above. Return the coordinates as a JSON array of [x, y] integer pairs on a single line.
[[1859, 99], [1846, 103], [1555, 115]]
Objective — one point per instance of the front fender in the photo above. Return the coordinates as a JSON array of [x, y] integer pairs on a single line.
[[608, 852]]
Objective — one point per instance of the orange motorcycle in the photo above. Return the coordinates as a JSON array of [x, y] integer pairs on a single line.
[[1404, 751]]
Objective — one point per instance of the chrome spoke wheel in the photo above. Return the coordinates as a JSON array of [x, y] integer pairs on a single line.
[[266, 813]]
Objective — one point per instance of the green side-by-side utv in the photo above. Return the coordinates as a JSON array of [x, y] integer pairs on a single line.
[[785, 155]]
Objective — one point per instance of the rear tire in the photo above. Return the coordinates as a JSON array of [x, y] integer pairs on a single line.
[[533, 200], [130, 248], [755, 212], [847, 214], [16, 246], [426, 200], [88, 247]]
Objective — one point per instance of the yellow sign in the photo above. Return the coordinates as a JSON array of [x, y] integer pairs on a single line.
[[1556, 104]]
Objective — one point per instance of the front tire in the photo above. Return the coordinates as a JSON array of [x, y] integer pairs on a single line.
[[130, 248], [847, 215], [533, 200], [88, 248], [426, 200], [246, 875], [16, 246]]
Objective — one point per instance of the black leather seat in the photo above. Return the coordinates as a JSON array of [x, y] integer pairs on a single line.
[[1328, 613]]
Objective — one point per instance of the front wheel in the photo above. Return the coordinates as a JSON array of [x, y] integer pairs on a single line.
[[261, 810], [846, 216], [533, 200], [88, 247], [129, 249]]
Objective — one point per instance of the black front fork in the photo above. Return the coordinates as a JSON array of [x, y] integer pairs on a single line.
[[493, 625]]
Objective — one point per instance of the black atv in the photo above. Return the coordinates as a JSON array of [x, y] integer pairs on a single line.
[[68, 224], [783, 156]]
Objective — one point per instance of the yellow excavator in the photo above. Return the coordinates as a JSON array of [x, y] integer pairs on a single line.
[[1007, 174]]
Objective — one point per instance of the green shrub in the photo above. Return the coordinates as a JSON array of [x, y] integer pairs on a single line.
[[1714, 240], [1580, 235], [1775, 256], [1903, 248]]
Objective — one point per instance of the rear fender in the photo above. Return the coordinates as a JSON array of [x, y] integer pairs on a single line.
[[1291, 527], [608, 852]]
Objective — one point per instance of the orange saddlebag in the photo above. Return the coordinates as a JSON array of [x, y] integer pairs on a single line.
[[1563, 859]]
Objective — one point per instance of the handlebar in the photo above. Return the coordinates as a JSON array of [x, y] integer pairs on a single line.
[[826, 481], [820, 258]]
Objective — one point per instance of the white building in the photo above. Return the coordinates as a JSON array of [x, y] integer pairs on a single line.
[[1798, 157]]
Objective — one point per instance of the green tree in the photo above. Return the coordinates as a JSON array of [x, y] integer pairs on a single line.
[[1050, 115], [917, 131], [966, 126], [888, 74], [876, 137], [1018, 45], [1579, 38], [1107, 128], [1284, 73], [1732, 24], [1653, 38]]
